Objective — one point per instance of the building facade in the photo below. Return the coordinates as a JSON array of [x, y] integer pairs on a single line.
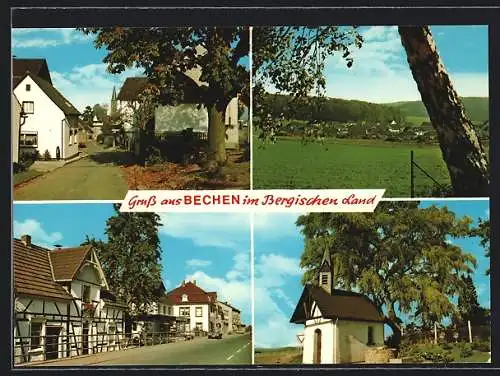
[[52, 123], [62, 306], [339, 326]]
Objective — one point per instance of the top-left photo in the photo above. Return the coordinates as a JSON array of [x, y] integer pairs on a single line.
[[100, 111]]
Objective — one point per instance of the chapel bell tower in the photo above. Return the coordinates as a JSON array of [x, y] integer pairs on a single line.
[[326, 273]]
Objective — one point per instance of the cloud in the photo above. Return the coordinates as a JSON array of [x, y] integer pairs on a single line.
[[38, 235], [223, 230], [272, 304], [380, 72], [47, 37], [275, 225], [235, 288], [90, 84], [197, 263]]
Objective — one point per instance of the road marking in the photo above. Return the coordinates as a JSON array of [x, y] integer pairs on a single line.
[[237, 351]]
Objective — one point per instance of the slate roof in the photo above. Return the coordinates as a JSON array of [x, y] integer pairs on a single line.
[[195, 294], [67, 261], [33, 274], [343, 305], [38, 67]]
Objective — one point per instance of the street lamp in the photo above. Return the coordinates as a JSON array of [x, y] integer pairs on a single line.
[[22, 119]]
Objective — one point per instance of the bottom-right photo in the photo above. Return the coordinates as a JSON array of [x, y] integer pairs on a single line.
[[408, 283]]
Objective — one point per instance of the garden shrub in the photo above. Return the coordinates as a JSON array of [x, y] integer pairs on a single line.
[[47, 156], [483, 346], [18, 167], [465, 350]]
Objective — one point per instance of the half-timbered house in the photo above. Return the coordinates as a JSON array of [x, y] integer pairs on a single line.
[[62, 306]]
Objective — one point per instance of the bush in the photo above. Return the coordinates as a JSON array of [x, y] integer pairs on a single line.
[[465, 350], [47, 156], [100, 138], [483, 346], [431, 353], [18, 167]]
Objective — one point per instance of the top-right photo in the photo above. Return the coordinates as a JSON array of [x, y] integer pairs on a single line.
[[401, 108]]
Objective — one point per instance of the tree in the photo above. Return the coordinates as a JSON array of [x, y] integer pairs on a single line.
[[468, 306], [88, 115], [131, 257], [399, 256], [460, 146], [483, 231], [165, 54]]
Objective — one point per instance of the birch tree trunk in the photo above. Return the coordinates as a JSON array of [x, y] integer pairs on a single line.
[[460, 146]]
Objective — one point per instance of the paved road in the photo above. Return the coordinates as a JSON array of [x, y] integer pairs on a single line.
[[234, 349], [95, 177]]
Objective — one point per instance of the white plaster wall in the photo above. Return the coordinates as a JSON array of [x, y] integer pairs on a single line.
[[353, 338], [46, 119], [15, 120], [232, 124], [70, 142], [192, 315], [327, 342]]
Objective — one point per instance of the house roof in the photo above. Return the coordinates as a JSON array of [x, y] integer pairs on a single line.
[[67, 261], [33, 274], [345, 305], [37, 67], [194, 293], [133, 86], [56, 97]]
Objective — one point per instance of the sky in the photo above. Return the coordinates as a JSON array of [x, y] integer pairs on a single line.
[[213, 249], [278, 246], [380, 72], [76, 66]]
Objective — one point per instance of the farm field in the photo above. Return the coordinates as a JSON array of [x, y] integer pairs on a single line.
[[342, 163], [282, 355]]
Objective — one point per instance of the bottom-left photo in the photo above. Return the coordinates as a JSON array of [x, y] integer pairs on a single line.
[[93, 286]]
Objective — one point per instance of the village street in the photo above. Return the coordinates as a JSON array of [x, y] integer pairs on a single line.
[[96, 176], [233, 349]]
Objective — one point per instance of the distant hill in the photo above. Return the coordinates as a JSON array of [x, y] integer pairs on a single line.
[[477, 109]]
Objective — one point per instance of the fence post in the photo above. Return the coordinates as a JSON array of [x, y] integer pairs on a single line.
[[470, 331], [412, 176]]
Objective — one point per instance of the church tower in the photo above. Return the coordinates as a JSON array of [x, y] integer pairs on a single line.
[[113, 108], [326, 273]]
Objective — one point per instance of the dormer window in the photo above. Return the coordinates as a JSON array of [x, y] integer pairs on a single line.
[[28, 87], [184, 298]]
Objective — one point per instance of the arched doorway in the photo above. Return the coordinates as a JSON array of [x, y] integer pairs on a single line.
[[317, 347]]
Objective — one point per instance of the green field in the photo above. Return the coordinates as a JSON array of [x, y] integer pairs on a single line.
[[339, 164]]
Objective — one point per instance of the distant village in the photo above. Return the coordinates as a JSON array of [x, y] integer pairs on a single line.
[[63, 308]]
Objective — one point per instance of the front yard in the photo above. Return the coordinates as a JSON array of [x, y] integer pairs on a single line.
[[24, 176]]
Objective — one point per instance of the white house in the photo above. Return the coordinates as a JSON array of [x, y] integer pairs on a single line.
[[62, 306], [15, 127], [338, 325], [52, 122], [197, 306], [184, 115]]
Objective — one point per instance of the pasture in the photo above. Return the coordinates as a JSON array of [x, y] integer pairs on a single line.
[[346, 163]]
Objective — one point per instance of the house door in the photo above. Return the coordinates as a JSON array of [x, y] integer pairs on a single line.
[[52, 342], [317, 347], [85, 338]]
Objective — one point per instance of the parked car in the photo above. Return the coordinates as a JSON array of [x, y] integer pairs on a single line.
[[215, 335], [189, 335]]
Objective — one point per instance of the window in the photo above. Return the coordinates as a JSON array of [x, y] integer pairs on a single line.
[[324, 278], [164, 309], [184, 298], [112, 333], [134, 326], [169, 310], [184, 311], [28, 87], [370, 336], [35, 334], [28, 139], [199, 311], [199, 326], [29, 107], [86, 294]]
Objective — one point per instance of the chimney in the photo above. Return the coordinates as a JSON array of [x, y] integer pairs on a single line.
[[26, 239]]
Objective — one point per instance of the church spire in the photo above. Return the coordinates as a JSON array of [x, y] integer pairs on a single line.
[[326, 272], [113, 108]]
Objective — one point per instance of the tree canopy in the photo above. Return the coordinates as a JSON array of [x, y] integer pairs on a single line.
[[131, 257], [400, 256], [168, 56]]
